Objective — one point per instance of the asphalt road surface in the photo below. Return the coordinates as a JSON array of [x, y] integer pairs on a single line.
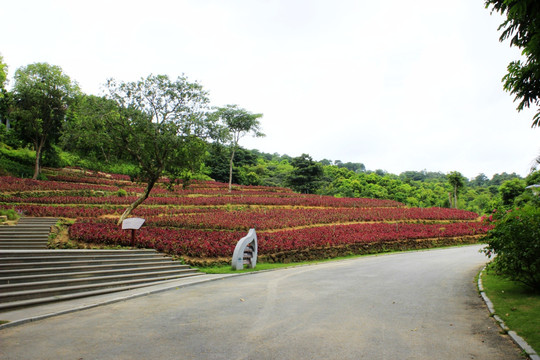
[[414, 305]]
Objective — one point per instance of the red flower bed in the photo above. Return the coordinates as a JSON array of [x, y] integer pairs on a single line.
[[10, 183], [268, 219], [313, 201], [199, 244]]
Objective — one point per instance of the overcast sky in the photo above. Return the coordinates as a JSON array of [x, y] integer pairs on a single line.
[[397, 85]]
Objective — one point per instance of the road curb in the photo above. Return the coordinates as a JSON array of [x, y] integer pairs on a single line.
[[513, 335]]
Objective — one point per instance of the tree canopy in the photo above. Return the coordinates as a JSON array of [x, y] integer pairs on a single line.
[[522, 27], [237, 123], [306, 175], [160, 126], [457, 181], [41, 96]]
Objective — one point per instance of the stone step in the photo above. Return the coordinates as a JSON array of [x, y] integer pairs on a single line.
[[33, 238], [20, 229], [87, 279], [25, 219], [64, 290], [75, 257], [22, 246], [24, 231], [80, 262], [71, 252], [113, 266], [23, 241], [25, 227], [7, 306], [31, 274]]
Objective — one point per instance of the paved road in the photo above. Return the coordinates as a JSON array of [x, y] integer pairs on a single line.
[[415, 305]]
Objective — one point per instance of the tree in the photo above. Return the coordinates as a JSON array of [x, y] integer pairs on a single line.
[[480, 180], [306, 175], [161, 126], [457, 181], [510, 190], [238, 123], [515, 242], [4, 95], [522, 27], [41, 96], [85, 130]]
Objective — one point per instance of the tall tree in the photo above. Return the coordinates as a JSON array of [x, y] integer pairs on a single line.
[[306, 175], [3, 76], [160, 125], [238, 123], [457, 181], [522, 27], [3, 92], [41, 95]]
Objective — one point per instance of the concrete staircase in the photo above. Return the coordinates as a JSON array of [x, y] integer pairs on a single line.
[[29, 233], [31, 277]]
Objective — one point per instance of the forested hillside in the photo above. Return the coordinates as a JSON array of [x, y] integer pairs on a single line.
[[159, 127]]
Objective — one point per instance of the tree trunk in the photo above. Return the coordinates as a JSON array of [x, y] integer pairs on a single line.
[[37, 167], [137, 202], [230, 169], [455, 197]]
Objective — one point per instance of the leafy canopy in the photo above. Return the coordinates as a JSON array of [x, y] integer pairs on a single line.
[[522, 27], [160, 125], [515, 241], [41, 96]]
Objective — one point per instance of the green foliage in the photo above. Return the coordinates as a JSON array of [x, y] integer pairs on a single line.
[[3, 72], [85, 130], [121, 193], [306, 175], [159, 125], [10, 213], [510, 190], [16, 162], [236, 123], [457, 182], [515, 241], [41, 96], [522, 27], [158, 119]]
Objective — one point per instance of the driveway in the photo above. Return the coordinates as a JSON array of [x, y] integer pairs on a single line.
[[413, 305]]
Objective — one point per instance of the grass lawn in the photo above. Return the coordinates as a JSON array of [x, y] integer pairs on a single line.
[[518, 306]]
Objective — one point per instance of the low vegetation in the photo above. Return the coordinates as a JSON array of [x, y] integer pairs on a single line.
[[201, 223]]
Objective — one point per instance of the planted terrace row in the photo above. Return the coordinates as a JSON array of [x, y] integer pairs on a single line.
[[261, 219], [63, 183], [313, 200], [268, 219], [201, 244]]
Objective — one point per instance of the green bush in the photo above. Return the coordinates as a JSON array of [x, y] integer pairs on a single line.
[[121, 193], [10, 167], [515, 242], [10, 213]]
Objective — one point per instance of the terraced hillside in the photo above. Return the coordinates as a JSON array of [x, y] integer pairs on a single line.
[[202, 222]]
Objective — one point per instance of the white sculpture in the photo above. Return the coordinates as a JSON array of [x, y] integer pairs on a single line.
[[245, 252]]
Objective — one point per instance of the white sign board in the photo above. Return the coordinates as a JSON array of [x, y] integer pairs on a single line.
[[132, 224]]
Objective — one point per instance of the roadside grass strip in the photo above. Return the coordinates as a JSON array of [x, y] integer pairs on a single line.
[[515, 308]]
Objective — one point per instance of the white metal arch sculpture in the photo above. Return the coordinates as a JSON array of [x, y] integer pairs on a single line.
[[245, 252]]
